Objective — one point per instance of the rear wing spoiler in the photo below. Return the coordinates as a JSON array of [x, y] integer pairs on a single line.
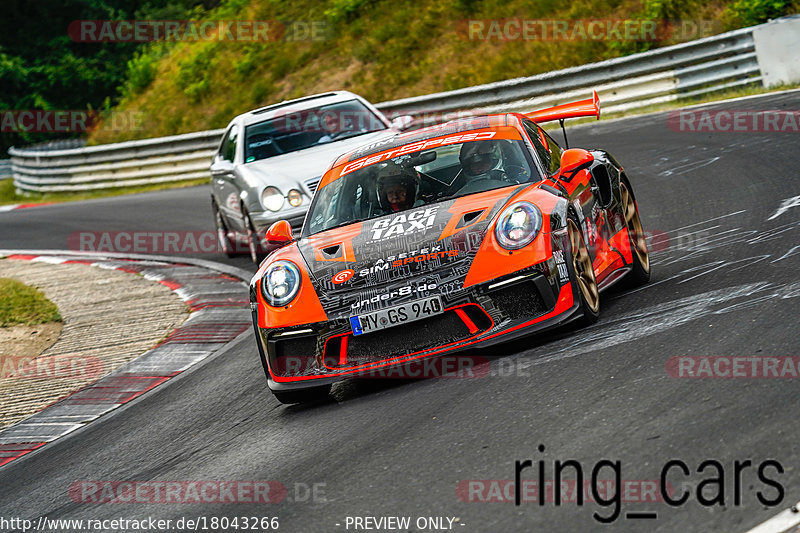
[[582, 108]]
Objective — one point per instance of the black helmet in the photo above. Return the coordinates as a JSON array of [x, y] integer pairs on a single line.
[[479, 157], [390, 173]]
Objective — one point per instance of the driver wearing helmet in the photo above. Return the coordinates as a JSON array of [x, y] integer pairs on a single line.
[[397, 188], [482, 160]]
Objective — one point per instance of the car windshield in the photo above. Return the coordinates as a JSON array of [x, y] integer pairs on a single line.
[[291, 130], [420, 178]]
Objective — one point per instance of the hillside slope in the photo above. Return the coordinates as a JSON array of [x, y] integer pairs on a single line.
[[385, 50]]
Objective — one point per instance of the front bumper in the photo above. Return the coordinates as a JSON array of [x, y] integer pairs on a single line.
[[520, 304], [264, 219]]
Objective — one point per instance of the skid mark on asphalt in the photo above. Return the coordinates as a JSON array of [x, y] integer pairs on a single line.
[[667, 315], [785, 206], [687, 165], [687, 246], [664, 316]]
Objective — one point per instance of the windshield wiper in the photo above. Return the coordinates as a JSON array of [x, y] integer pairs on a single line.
[[337, 137]]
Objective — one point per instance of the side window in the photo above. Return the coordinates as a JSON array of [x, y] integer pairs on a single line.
[[228, 149], [548, 150], [555, 151], [541, 149]]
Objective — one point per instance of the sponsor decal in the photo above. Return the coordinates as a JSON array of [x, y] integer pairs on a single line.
[[232, 202], [407, 258], [419, 289], [561, 265], [342, 276], [416, 147], [404, 223], [424, 257]]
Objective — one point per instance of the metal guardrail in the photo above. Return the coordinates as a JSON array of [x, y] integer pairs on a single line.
[[5, 168], [701, 66], [688, 69], [126, 164]]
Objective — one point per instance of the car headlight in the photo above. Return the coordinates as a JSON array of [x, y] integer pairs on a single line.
[[295, 198], [280, 283], [518, 225], [272, 199]]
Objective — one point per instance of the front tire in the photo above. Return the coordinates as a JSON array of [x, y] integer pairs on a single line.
[[313, 395], [640, 264], [253, 243], [588, 292], [222, 231]]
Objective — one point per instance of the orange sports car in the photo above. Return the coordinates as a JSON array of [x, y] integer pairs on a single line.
[[458, 235]]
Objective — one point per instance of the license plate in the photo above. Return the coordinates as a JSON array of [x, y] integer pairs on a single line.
[[394, 316]]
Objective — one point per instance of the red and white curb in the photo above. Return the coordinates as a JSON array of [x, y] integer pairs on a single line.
[[221, 312], [14, 207]]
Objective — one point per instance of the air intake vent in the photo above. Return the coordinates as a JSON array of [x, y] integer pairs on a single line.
[[312, 184], [469, 218]]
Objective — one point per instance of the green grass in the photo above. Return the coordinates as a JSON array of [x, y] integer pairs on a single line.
[[382, 50], [21, 304], [8, 194]]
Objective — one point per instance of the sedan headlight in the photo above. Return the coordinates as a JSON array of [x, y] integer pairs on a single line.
[[280, 283], [295, 198], [272, 199], [518, 225]]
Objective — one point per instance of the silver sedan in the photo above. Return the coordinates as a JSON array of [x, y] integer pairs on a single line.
[[270, 161]]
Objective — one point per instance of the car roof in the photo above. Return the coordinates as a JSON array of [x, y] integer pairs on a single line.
[[298, 104], [438, 130]]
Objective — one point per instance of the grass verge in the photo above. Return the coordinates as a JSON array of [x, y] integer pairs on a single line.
[[8, 194], [22, 304]]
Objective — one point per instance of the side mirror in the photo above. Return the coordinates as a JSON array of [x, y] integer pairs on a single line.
[[575, 159], [279, 233], [402, 122], [221, 166]]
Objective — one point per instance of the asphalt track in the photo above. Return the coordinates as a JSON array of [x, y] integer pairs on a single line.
[[726, 286]]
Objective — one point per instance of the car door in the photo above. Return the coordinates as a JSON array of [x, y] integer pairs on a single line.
[[223, 179]]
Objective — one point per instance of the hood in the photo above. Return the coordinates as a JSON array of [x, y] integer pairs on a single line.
[[310, 163], [436, 241]]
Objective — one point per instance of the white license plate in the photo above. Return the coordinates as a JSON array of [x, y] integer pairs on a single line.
[[394, 316]]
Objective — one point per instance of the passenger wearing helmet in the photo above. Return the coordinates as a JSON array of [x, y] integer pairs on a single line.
[[397, 187], [482, 160]]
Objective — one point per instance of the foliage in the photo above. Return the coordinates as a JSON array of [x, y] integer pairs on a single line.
[[22, 304], [378, 48], [751, 12]]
